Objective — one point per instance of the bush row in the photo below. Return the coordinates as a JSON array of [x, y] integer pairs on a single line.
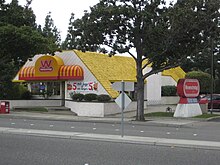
[[90, 97], [169, 90]]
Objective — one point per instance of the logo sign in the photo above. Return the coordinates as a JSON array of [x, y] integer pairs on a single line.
[[188, 88], [46, 66], [129, 86]]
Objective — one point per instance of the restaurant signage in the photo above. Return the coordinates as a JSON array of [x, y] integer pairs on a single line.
[[188, 88], [82, 86]]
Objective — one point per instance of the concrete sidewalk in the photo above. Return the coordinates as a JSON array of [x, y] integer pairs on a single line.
[[129, 117]]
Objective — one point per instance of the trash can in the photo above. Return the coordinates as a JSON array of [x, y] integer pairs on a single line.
[[5, 107]]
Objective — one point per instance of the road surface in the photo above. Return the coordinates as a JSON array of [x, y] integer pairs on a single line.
[[31, 150]]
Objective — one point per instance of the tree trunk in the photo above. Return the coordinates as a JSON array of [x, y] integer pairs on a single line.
[[140, 91], [140, 100]]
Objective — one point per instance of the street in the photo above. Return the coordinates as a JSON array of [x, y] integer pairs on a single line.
[[26, 150], [207, 131]]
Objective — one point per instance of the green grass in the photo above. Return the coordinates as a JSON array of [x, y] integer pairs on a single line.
[[206, 116], [169, 114], [31, 109], [159, 114]]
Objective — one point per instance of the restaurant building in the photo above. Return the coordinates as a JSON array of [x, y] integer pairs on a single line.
[[69, 72]]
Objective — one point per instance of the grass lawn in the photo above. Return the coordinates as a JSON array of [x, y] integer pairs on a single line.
[[31, 109], [159, 114], [170, 114], [206, 116]]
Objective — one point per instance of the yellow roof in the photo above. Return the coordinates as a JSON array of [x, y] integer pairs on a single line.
[[117, 68], [176, 73], [109, 69]]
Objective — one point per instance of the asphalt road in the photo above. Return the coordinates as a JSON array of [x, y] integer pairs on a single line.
[[207, 131], [31, 150]]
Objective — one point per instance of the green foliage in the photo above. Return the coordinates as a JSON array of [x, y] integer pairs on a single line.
[[203, 78], [217, 86], [169, 90], [14, 91], [20, 39], [26, 95], [50, 30], [77, 96], [103, 98], [90, 97]]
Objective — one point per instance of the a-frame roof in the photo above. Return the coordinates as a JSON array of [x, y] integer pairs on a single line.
[[117, 68], [109, 69]]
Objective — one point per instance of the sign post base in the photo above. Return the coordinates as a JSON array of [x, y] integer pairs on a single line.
[[187, 110]]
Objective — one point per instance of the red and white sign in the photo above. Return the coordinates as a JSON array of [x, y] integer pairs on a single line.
[[82, 86], [188, 88]]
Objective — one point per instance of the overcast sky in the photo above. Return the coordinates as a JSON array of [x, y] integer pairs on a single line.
[[61, 11]]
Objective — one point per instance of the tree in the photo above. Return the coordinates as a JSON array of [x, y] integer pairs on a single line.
[[17, 15], [50, 30], [19, 40], [69, 42], [161, 35]]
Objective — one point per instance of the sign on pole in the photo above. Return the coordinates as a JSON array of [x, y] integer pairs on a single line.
[[128, 86], [123, 100], [127, 100]]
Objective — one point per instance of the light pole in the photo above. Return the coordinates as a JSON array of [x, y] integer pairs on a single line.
[[212, 78]]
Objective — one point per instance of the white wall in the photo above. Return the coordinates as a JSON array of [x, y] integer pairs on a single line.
[[93, 109], [154, 88], [167, 80], [33, 103]]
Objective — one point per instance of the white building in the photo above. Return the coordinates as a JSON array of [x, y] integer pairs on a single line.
[[87, 72]]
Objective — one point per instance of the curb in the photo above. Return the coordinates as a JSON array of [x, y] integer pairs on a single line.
[[115, 138]]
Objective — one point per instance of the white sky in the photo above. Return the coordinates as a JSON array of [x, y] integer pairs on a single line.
[[60, 11]]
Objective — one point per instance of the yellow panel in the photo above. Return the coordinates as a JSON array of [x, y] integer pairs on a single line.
[[176, 73], [109, 69], [48, 66]]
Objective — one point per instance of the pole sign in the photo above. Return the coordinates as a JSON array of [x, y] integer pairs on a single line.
[[128, 86], [188, 90], [126, 99], [123, 100]]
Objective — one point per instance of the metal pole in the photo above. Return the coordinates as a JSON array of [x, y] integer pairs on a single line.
[[122, 107], [212, 78]]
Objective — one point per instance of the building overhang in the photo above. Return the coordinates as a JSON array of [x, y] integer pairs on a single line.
[[50, 68]]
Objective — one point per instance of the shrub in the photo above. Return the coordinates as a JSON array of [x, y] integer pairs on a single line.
[[77, 96], [26, 95], [19, 91], [103, 98], [90, 97], [169, 90]]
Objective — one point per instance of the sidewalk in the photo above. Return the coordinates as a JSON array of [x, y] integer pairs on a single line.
[[129, 117]]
